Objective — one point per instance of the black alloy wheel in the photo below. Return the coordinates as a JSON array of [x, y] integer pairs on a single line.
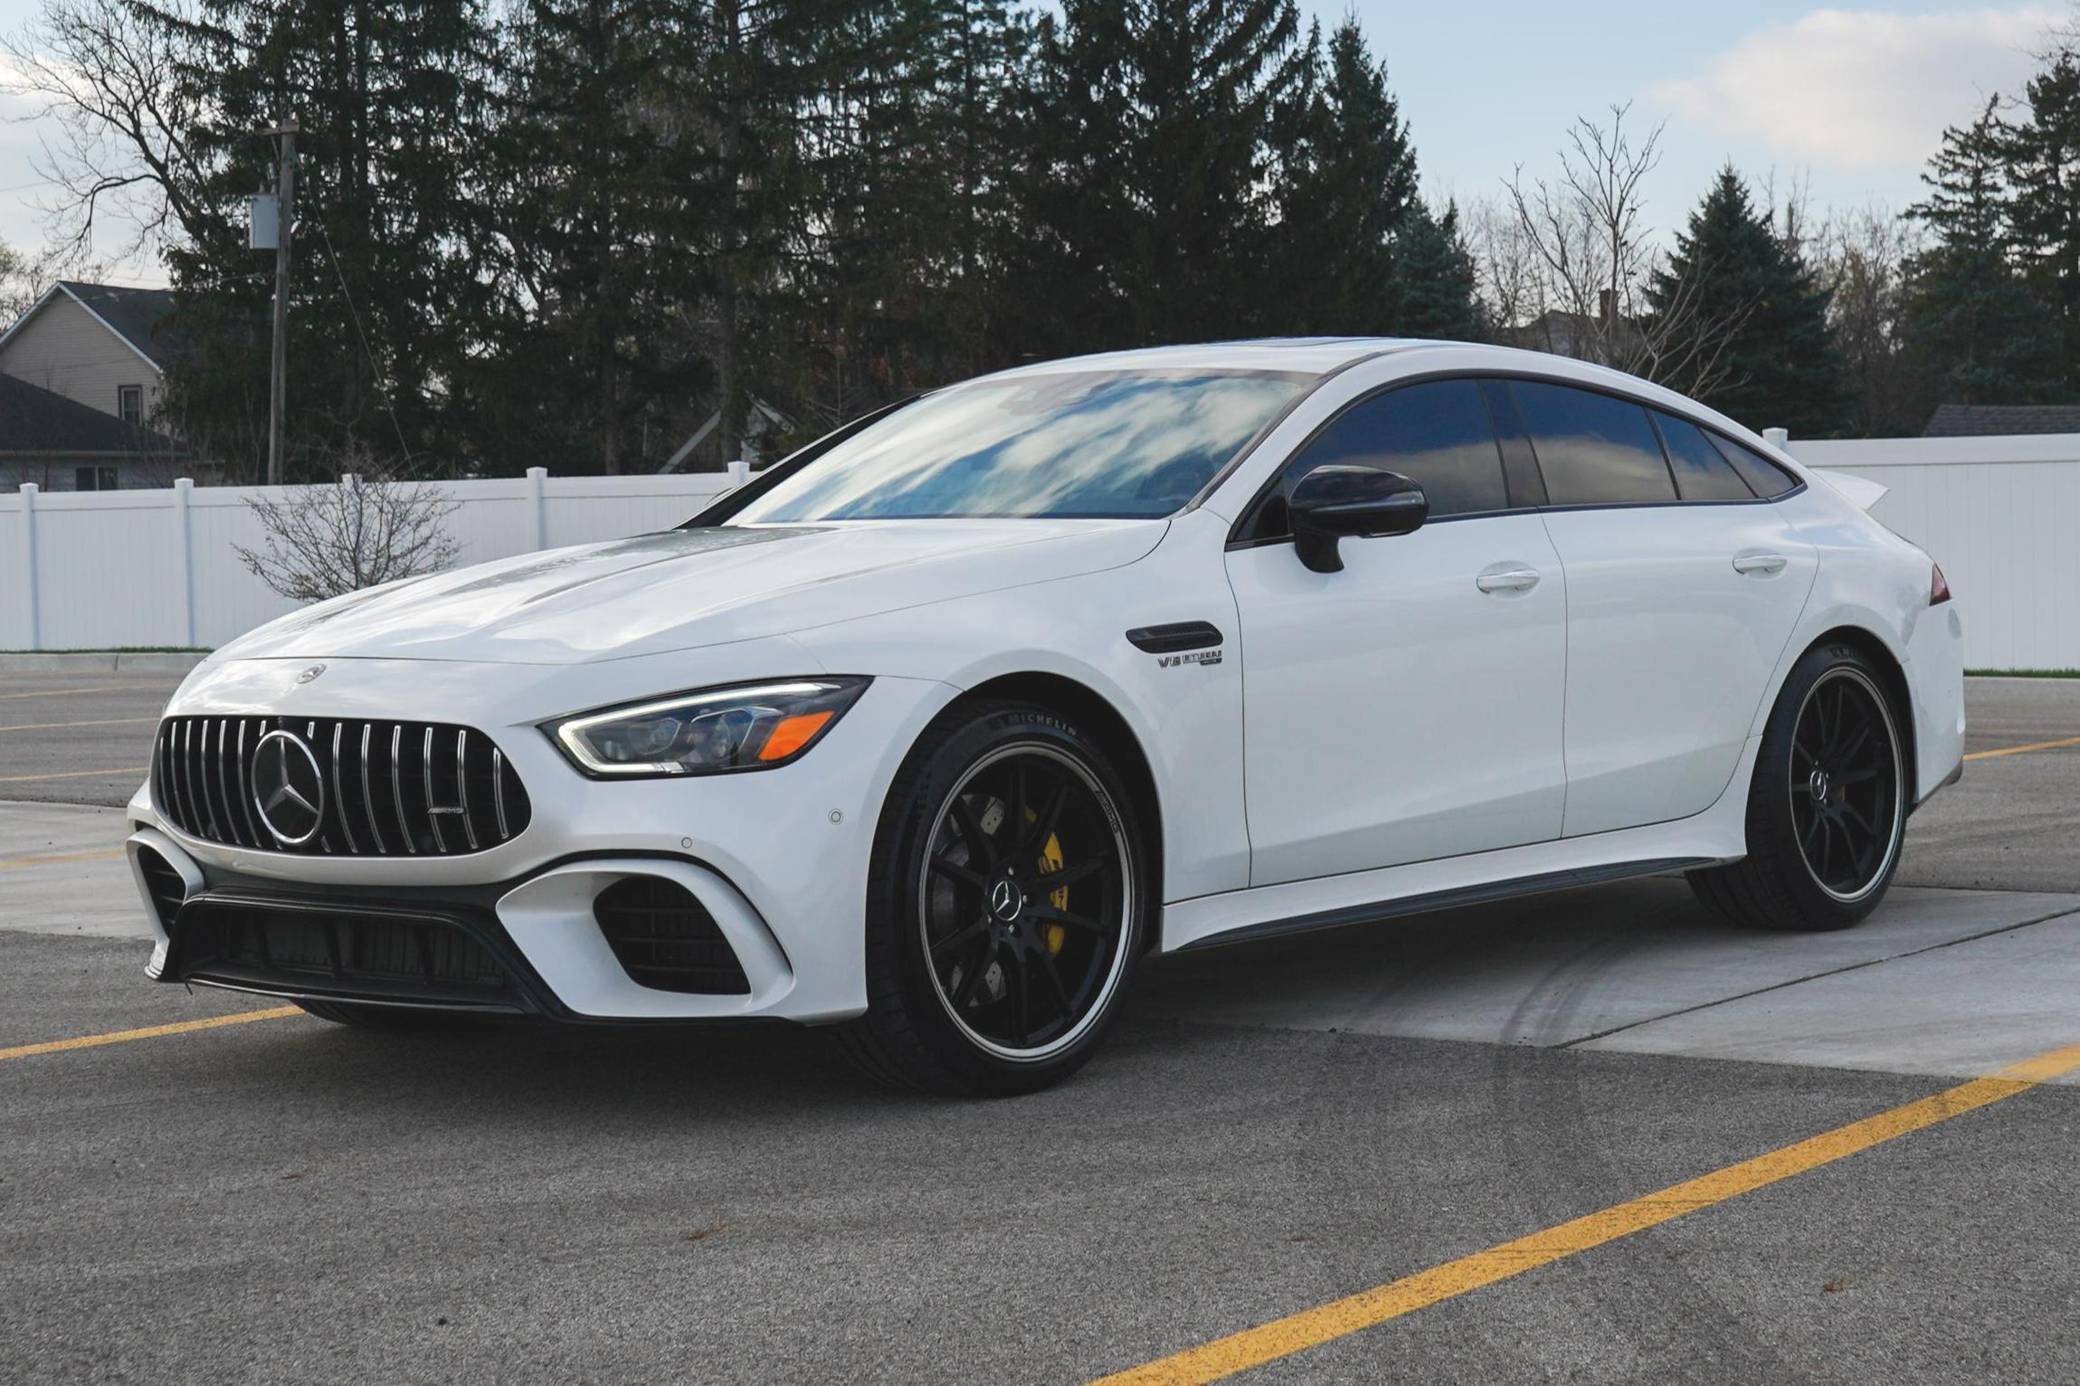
[[1845, 783], [1024, 900], [1007, 904], [1827, 803]]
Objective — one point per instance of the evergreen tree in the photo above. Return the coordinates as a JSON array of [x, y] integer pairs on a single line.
[[1435, 285], [1732, 278], [391, 101], [2040, 155], [1149, 133], [1346, 192], [1973, 329]]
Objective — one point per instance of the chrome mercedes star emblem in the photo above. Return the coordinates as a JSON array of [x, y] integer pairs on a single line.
[[307, 675], [288, 788], [1006, 899]]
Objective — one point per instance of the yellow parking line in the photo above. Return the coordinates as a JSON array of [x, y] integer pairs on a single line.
[[56, 693], [74, 774], [60, 726], [54, 858], [1313, 1327], [2018, 750], [149, 1032]]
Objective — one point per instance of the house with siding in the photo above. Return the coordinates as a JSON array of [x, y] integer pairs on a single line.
[[101, 346], [60, 444]]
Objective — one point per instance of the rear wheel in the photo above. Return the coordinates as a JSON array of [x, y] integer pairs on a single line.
[[1006, 906], [1827, 805]]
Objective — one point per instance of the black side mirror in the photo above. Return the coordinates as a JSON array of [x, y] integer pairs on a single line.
[[1345, 500]]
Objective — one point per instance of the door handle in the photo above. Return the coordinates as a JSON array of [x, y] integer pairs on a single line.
[[1759, 564], [1507, 577]]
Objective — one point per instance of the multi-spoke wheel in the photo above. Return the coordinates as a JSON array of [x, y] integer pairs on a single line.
[[1827, 806], [1006, 906]]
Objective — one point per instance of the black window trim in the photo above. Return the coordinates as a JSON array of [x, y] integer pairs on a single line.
[[1238, 539], [1504, 438], [1708, 429]]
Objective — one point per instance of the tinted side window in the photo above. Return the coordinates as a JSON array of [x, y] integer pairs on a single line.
[[1436, 433], [1765, 476], [1593, 449], [1701, 473]]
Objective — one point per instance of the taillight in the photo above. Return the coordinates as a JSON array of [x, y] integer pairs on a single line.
[[1938, 586]]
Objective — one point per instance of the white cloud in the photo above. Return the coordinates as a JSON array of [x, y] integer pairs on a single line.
[[1861, 89]]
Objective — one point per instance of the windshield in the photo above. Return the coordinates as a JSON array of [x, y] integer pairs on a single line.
[[1091, 444]]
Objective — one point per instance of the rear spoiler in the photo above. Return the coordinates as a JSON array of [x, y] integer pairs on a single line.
[[1861, 491]]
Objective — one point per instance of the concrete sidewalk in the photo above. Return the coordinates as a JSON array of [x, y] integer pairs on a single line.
[[62, 872]]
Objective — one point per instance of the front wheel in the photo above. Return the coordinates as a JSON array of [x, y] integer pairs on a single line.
[[1007, 903], [1827, 806]]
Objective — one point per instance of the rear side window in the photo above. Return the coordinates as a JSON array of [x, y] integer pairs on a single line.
[[1592, 449], [1437, 434], [1766, 477], [1701, 473]]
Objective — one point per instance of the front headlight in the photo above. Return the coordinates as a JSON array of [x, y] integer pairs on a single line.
[[748, 727]]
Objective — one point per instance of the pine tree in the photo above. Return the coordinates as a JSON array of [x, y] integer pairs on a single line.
[[1435, 286], [391, 100], [1973, 329], [1346, 192], [2040, 155], [1143, 194], [1732, 278]]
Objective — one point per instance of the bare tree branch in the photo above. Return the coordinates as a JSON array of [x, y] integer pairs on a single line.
[[362, 530]]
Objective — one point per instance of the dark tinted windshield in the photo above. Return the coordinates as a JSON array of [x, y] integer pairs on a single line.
[[1080, 444]]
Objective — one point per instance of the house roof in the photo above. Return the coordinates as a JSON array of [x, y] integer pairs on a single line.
[[36, 420], [2001, 420], [135, 316]]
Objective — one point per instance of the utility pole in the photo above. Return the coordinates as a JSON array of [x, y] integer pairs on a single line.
[[278, 383]]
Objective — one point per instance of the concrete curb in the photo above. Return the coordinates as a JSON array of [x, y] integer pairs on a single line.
[[98, 662]]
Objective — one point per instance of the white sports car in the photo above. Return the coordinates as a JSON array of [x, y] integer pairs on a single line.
[[931, 731]]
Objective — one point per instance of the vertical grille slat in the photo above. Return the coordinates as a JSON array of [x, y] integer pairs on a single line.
[[339, 791], [368, 796], [404, 824], [440, 840], [203, 769]]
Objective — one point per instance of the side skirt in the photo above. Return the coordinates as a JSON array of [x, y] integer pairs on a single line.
[[1485, 893]]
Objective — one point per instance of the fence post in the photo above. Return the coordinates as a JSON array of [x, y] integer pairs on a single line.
[[739, 473], [538, 508], [29, 489], [1777, 437], [184, 544]]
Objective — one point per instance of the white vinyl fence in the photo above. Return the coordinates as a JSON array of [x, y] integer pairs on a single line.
[[2000, 515], [103, 569], [98, 569]]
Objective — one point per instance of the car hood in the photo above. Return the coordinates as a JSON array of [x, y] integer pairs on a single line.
[[685, 588]]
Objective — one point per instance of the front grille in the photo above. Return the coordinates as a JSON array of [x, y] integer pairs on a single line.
[[337, 952], [390, 789], [664, 938], [164, 883]]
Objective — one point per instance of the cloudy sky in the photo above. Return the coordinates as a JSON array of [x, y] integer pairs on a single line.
[[1850, 100]]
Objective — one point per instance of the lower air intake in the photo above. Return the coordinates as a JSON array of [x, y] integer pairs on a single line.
[[344, 953], [665, 938]]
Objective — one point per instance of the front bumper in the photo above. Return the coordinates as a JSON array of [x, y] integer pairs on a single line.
[[778, 859]]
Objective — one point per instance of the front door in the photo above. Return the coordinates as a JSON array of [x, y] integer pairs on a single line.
[[1409, 706]]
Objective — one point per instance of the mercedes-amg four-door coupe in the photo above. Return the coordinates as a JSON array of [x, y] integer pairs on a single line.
[[931, 731]]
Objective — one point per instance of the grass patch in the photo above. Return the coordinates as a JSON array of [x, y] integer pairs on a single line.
[[2022, 673]]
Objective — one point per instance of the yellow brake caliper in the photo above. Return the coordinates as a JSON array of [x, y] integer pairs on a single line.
[[1051, 860]]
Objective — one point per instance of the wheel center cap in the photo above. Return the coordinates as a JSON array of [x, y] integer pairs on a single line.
[[1817, 784], [1006, 900]]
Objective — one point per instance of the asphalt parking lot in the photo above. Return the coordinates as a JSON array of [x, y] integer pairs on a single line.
[[1470, 1122]]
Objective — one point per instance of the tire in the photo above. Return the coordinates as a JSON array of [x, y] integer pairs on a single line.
[[975, 987], [1827, 805], [393, 1018]]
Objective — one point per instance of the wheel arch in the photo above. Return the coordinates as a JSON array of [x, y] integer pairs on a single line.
[[1095, 713]]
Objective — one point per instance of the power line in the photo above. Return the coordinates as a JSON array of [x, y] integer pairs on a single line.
[[389, 405]]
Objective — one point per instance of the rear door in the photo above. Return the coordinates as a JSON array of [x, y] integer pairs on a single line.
[[1407, 707], [1683, 585]]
